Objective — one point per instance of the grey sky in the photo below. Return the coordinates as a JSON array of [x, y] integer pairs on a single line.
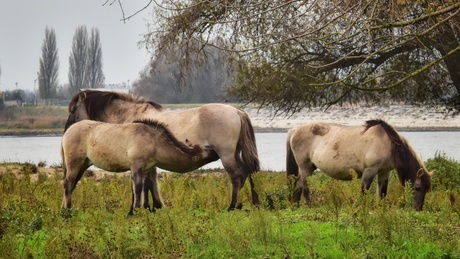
[[22, 30]]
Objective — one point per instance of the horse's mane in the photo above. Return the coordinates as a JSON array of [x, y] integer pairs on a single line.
[[407, 163], [96, 101], [163, 130]]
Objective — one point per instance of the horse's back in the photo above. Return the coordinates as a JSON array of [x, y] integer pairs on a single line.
[[338, 148], [213, 124], [79, 131]]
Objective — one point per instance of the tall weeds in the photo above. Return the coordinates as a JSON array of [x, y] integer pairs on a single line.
[[340, 222]]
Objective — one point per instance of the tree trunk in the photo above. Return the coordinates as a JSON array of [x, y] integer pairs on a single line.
[[447, 41]]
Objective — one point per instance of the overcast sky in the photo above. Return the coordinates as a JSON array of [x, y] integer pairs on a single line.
[[22, 30]]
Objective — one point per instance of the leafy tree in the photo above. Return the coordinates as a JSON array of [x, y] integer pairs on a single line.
[[296, 54], [94, 69], [78, 61], [49, 66]]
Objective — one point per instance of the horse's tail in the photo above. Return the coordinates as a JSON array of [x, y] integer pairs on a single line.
[[64, 169], [247, 142], [292, 169]]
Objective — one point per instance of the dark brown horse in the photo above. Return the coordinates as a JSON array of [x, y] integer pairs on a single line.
[[370, 150], [136, 146], [227, 129]]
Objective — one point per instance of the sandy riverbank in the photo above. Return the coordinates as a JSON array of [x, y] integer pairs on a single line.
[[402, 117]]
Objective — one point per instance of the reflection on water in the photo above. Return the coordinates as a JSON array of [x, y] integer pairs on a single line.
[[271, 147]]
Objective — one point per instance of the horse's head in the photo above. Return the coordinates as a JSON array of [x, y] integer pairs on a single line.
[[421, 186], [77, 110]]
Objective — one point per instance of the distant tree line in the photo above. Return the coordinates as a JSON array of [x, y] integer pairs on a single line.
[[206, 79]]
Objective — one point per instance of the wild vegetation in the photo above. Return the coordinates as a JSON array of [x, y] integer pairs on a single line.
[[340, 223], [40, 119]]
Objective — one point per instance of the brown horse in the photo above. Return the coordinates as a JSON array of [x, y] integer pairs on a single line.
[[227, 129], [370, 150], [136, 146]]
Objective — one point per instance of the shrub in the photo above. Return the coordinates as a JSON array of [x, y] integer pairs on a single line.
[[446, 173]]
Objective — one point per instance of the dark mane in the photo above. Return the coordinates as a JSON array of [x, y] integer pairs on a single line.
[[96, 101], [407, 162], [162, 129]]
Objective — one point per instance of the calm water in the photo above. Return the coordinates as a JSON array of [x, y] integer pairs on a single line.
[[271, 147]]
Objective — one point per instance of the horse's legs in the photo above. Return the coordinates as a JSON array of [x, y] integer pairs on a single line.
[[302, 184], [367, 178], [152, 186], [146, 188], [138, 179], [68, 189], [70, 182], [237, 177], [383, 184], [247, 173]]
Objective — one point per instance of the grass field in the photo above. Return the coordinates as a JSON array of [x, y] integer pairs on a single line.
[[340, 222]]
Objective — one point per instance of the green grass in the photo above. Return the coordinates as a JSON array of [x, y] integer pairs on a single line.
[[340, 223]]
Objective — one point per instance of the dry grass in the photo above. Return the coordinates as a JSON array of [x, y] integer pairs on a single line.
[[33, 119]]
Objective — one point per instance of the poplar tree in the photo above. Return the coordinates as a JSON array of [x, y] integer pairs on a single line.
[[49, 66], [95, 75], [78, 61]]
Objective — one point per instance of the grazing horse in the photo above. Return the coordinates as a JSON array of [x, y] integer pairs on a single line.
[[370, 150], [227, 129], [136, 146]]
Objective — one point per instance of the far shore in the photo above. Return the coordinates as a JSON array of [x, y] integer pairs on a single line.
[[58, 133], [402, 117]]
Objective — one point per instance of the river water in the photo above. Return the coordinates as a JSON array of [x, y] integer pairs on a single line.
[[271, 147]]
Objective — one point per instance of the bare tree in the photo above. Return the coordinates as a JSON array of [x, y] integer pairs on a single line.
[[295, 54], [49, 66], [203, 81], [94, 72], [78, 61]]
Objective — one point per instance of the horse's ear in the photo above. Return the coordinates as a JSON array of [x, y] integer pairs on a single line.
[[431, 173], [81, 96], [420, 172]]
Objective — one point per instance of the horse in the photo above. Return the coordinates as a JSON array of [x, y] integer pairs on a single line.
[[227, 129], [373, 149], [136, 146]]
